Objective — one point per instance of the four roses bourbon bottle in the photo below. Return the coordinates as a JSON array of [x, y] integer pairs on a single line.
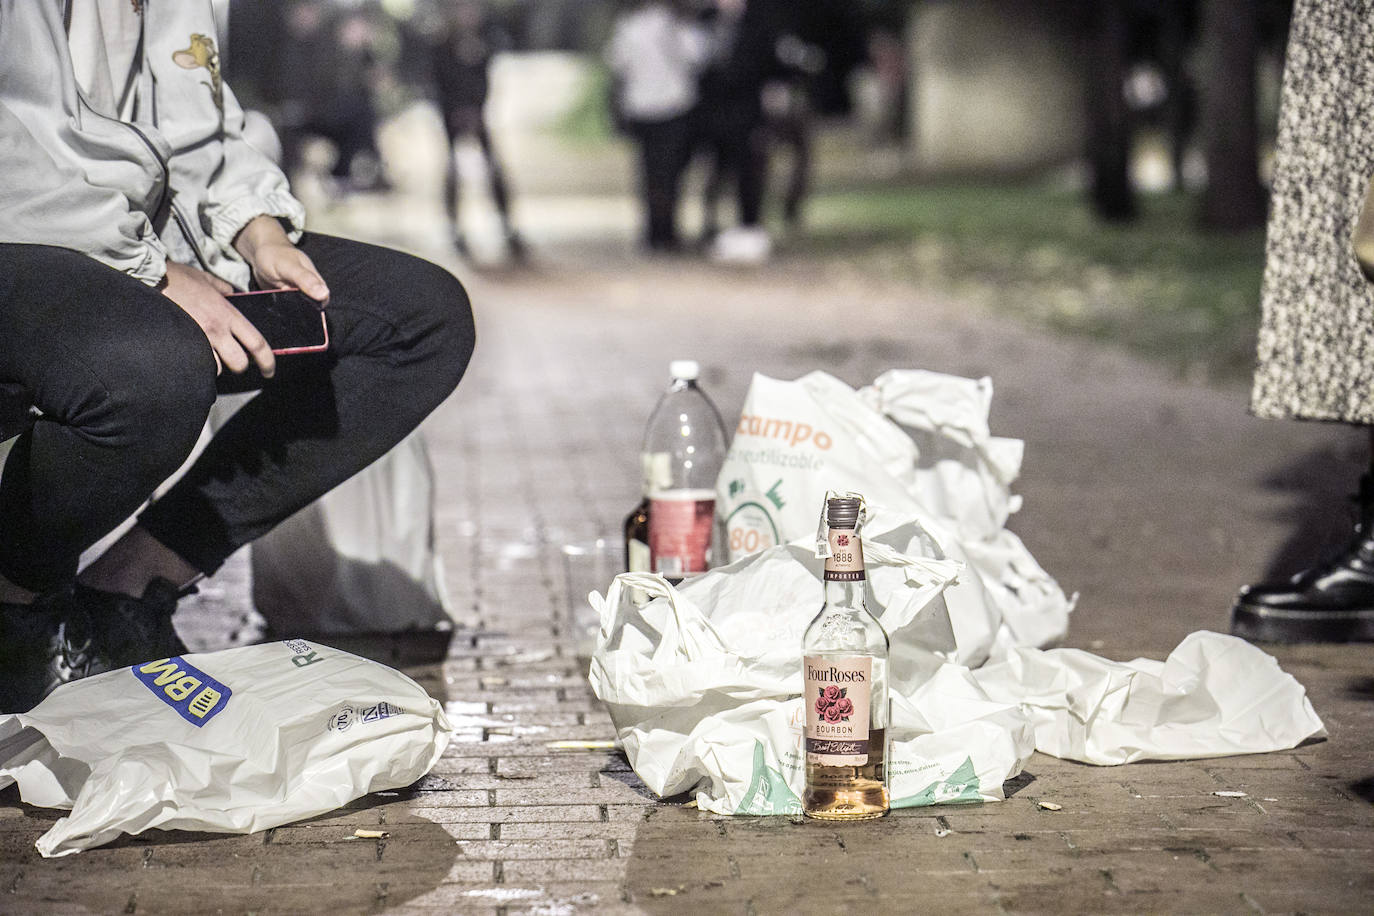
[[844, 663]]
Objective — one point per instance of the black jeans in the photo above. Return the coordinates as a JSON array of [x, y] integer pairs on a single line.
[[665, 149], [125, 379], [732, 131]]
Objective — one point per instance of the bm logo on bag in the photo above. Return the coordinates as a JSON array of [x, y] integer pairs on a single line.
[[195, 695]]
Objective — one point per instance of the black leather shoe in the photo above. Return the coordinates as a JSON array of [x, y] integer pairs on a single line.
[[42, 646], [128, 631], [1333, 602]]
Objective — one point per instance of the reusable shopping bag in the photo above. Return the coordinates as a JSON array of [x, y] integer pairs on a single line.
[[361, 558], [233, 741], [916, 444]]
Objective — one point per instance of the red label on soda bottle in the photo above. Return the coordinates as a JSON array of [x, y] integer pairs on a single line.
[[680, 523]]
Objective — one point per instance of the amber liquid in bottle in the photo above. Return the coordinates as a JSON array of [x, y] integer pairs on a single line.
[[845, 671], [636, 530], [853, 793]]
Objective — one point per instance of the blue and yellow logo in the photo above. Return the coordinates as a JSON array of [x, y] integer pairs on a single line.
[[190, 691]]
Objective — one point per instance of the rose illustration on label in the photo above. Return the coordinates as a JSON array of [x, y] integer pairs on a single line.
[[832, 705]]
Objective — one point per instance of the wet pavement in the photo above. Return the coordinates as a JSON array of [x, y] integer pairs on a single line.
[[1152, 497]]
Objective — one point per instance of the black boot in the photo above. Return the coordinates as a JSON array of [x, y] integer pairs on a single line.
[[130, 630], [1333, 602], [42, 646]]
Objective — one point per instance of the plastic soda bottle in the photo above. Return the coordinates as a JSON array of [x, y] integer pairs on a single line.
[[684, 448]]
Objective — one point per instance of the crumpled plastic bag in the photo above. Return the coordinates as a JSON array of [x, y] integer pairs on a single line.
[[917, 445], [234, 741], [703, 682], [1215, 695]]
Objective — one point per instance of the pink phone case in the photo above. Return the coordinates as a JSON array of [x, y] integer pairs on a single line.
[[290, 321]]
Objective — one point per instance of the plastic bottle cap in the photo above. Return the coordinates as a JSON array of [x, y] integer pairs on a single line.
[[685, 369]]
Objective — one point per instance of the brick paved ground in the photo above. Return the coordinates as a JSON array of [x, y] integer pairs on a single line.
[[1152, 497]]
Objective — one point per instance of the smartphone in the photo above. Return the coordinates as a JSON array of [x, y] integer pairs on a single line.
[[288, 319]]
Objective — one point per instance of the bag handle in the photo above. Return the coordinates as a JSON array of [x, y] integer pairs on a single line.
[[691, 636]]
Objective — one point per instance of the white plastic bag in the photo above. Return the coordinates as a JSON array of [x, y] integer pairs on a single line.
[[1215, 695], [361, 559], [233, 741], [704, 683], [796, 440]]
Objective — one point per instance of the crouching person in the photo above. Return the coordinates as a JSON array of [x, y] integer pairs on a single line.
[[130, 207]]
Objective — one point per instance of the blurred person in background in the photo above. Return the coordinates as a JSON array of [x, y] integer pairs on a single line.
[[789, 118], [887, 54], [655, 56], [1316, 340], [815, 46], [732, 127], [788, 126], [462, 54], [325, 87]]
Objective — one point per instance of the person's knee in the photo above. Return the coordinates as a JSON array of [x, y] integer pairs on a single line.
[[153, 397], [439, 321]]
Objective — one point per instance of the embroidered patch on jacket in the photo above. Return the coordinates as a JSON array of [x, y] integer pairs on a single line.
[[202, 53]]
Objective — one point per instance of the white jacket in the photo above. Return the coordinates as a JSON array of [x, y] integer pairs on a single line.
[[177, 182], [658, 56]]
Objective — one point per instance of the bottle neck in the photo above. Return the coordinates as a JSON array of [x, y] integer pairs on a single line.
[[844, 594], [844, 569]]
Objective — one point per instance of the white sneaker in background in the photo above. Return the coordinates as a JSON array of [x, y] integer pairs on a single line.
[[742, 245]]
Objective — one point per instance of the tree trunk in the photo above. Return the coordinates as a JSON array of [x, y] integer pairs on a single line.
[[1109, 125], [1234, 200]]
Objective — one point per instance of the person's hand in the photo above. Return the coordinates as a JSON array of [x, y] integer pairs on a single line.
[[232, 337], [276, 262]]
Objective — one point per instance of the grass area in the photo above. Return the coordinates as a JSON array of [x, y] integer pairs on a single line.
[[588, 121], [1158, 285]]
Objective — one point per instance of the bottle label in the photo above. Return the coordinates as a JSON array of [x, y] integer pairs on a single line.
[[680, 523], [838, 695], [846, 560]]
